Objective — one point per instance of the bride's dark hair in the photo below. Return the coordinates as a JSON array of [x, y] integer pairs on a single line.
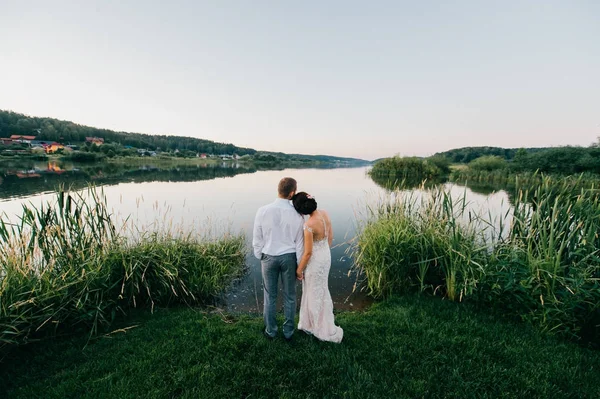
[[304, 203]]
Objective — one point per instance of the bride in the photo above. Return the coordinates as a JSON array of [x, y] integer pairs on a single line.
[[316, 306]]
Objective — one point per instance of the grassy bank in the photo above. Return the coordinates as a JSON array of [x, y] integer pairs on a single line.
[[409, 172], [403, 348], [65, 267], [410, 168], [162, 160], [545, 269]]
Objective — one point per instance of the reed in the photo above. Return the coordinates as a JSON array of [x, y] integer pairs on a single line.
[[545, 268], [417, 241], [64, 265], [506, 178], [550, 263], [408, 168]]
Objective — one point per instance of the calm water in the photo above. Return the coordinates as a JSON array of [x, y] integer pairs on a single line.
[[209, 200]]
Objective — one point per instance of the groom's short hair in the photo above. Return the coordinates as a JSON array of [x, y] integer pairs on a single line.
[[287, 185]]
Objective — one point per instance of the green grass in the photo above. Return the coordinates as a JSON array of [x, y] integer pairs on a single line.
[[162, 160], [413, 242], [65, 266], [405, 347], [408, 168], [544, 269], [458, 166]]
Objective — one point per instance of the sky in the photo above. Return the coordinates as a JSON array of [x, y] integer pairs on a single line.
[[364, 79]]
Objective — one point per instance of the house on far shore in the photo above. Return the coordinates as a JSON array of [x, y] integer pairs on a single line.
[[53, 147], [94, 140], [144, 152], [39, 143], [7, 141], [203, 156], [22, 139]]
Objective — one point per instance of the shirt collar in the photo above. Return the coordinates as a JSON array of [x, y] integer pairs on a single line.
[[282, 200]]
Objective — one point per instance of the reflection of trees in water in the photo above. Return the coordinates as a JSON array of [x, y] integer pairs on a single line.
[[32, 179], [483, 188], [491, 188], [408, 183], [528, 188], [29, 178]]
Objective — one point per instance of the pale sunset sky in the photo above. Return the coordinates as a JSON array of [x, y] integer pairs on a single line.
[[364, 79]]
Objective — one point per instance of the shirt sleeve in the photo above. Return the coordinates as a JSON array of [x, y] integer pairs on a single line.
[[257, 236], [300, 240]]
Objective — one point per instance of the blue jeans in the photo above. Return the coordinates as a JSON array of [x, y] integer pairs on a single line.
[[272, 267]]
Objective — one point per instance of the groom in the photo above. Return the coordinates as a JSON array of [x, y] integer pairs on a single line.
[[278, 242]]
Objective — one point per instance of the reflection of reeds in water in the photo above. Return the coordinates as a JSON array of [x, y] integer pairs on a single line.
[[505, 179], [546, 267], [405, 183], [65, 264]]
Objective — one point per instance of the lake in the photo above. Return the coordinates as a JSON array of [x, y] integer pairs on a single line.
[[211, 199]]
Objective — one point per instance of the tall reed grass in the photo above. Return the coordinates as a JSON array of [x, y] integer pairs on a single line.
[[64, 265], [545, 268], [408, 168], [412, 241]]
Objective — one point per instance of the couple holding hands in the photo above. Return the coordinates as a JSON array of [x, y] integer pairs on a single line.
[[292, 239]]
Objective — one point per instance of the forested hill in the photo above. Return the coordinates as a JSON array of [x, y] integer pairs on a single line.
[[72, 133], [321, 158], [467, 154], [50, 129]]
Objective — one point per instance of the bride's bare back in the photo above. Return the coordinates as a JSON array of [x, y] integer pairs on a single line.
[[320, 225]]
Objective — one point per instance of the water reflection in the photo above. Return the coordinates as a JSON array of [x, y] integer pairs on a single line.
[[20, 180], [406, 183], [484, 188]]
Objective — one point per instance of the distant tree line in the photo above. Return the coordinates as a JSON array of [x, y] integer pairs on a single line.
[[487, 161], [563, 160], [468, 154], [560, 160], [71, 133]]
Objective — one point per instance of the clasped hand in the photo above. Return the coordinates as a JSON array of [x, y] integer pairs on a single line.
[[299, 275]]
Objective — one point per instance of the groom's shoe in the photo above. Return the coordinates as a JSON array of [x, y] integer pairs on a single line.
[[267, 336], [289, 339]]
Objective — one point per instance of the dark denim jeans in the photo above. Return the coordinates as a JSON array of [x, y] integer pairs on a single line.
[[272, 267]]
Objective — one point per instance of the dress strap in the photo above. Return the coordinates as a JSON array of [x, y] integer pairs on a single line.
[[324, 226]]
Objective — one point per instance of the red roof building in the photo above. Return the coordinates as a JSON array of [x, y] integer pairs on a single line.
[[95, 140], [19, 137]]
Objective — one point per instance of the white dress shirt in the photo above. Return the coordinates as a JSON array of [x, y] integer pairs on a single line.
[[278, 230]]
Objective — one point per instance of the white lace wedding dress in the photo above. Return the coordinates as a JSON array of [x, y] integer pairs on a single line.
[[316, 306]]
